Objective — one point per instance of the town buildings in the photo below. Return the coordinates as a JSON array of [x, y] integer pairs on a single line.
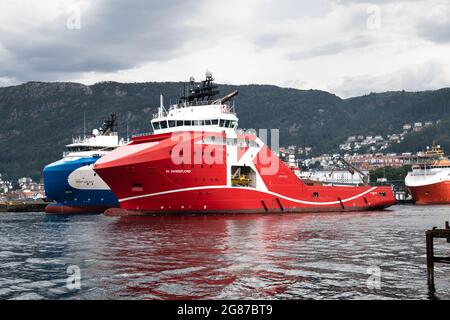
[[25, 188]]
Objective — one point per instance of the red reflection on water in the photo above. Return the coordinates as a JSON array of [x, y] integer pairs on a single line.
[[195, 257]]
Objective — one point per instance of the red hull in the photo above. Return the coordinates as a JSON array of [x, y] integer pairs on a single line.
[[146, 180], [246, 202], [437, 193]]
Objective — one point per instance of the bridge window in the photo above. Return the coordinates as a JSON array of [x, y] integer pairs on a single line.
[[171, 123], [163, 124], [222, 123], [215, 122], [179, 123], [83, 148], [208, 122], [156, 126]]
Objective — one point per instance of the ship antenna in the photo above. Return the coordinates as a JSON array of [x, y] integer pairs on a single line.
[[185, 93], [162, 110], [84, 124]]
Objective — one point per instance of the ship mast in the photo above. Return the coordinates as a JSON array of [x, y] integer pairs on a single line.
[[202, 92]]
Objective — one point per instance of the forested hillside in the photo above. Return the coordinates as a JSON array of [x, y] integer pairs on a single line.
[[37, 119]]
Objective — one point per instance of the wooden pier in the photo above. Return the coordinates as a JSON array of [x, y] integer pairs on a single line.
[[431, 258]]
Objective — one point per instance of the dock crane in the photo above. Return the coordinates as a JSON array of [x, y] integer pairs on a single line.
[[351, 168]]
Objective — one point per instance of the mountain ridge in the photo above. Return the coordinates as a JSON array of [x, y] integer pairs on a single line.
[[38, 118]]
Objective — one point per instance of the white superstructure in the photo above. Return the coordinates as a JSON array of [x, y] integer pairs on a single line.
[[433, 168], [197, 115], [93, 146], [85, 151], [427, 175]]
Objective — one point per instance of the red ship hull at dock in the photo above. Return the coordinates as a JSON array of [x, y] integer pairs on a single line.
[[146, 181]]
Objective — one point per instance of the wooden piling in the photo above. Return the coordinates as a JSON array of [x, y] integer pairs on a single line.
[[430, 262], [431, 258]]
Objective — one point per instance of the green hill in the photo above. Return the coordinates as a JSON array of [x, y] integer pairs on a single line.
[[37, 119], [439, 134]]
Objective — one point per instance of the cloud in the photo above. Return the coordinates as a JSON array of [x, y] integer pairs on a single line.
[[427, 76], [331, 48], [113, 35], [438, 32], [435, 26], [323, 44]]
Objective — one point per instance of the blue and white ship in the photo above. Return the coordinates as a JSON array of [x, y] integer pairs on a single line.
[[72, 184]]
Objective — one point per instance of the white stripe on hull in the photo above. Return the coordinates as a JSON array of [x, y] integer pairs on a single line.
[[250, 189]]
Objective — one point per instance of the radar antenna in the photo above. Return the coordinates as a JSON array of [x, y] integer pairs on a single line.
[[204, 91]]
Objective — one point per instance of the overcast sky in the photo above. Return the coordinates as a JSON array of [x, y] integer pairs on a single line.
[[347, 47]]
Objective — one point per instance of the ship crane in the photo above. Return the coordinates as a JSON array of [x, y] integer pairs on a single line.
[[226, 98], [351, 168]]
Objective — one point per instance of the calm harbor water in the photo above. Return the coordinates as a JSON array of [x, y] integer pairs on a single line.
[[299, 256]]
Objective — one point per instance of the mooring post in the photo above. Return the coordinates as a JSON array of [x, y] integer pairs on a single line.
[[430, 261], [447, 227]]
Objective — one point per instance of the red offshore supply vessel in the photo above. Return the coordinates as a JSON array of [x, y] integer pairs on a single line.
[[429, 180], [198, 162]]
